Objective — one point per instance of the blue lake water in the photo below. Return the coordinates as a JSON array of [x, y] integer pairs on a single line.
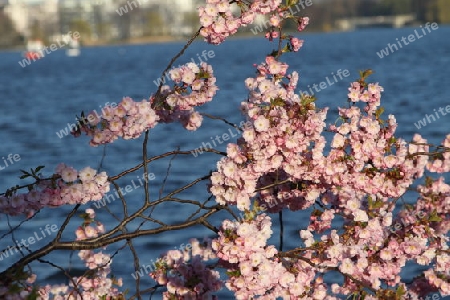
[[39, 100]]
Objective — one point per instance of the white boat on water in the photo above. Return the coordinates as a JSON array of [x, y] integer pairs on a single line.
[[73, 48], [35, 50]]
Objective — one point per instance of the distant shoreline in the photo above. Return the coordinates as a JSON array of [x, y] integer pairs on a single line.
[[172, 39], [134, 41]]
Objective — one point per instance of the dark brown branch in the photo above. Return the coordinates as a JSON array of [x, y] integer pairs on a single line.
[[152, 290], [70, 278], [66, 221], [136, 266], [125, 210], [272, 185], [144, 162], [101, 241], [30, 185], [167, 174], [137, 167], [201, 206]]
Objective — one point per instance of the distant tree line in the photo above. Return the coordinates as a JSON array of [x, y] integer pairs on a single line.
[[326, 12], [161, 20], [8, 34]]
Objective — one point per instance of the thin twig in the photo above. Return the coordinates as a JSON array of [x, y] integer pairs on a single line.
[[157, 157], [158, 92], [222, 119], [280, 217], [144, 162]]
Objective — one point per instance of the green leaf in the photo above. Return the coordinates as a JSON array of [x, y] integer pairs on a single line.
[[349, 157], [203, 75], [286, 49], [377, 204], [365, 74], [39, 168], [33, 295], [306, 100], [233, 273], [370, 201], [379, 111], [25, 172], [434, 217], [277, 102], [15, 289], [428, 181], [316, 213], [400, 291], [274, 53], [392, 140]]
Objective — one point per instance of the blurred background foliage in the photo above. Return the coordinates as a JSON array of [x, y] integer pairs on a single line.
[[124, 21]]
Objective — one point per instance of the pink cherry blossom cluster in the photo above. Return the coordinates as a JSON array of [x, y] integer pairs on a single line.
[[370, 95], [429, 219], [366, 157], [281, 161], [96, 285], [19, 290], [286, 147], [295, 43], [194, 86], [366, 166], [441, 164], [302, 23], [375, 255], [66, 186], [253, 266], [242, 249], [218, 22], [126, 120], [185, 274], [269, 149]]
